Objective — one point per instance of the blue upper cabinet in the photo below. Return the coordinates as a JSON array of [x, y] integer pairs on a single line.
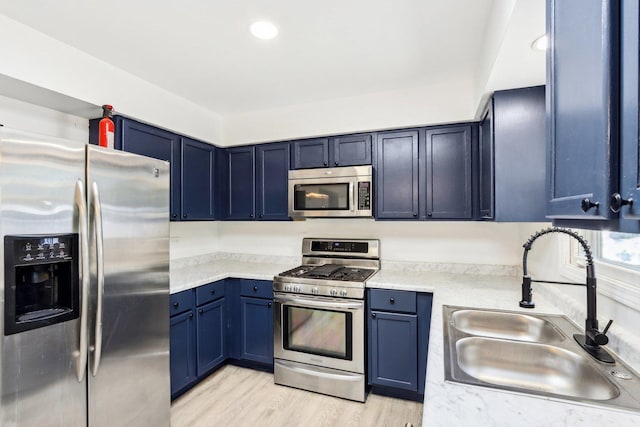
[[150, 141], [426, 173], [272, 169], [197, 175], [311, 153], [350, 150], [513, 156], [241, 186], [583, 108], [198, 180], [397, 175], [629, 129], [258, 182], [344, 150], [448, 175]]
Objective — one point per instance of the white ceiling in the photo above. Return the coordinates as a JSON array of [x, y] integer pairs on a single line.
[[201, 49]]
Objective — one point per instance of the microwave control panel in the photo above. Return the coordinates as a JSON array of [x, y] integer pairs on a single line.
[[364, 195]]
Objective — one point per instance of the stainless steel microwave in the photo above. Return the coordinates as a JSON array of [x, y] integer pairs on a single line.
[[331, 192]]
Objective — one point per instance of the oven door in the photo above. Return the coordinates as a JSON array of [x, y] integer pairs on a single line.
[[320, 331]]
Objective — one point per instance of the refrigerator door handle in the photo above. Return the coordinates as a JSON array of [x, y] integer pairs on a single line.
[[96, 348], [81, 205]]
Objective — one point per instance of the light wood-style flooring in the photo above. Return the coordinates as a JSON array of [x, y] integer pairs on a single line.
[[240, 397]]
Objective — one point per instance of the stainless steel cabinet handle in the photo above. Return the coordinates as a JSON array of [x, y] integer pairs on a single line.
[[97, 224], [81, 205]]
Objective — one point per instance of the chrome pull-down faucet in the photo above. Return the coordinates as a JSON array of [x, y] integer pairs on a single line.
[[593, 339]]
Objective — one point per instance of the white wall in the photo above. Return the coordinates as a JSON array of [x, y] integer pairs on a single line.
[[22, 115], [447, 242], [416, 106], [190, 239], [40, 61]]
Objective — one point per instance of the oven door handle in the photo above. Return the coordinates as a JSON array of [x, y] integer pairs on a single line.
[[338, 305]]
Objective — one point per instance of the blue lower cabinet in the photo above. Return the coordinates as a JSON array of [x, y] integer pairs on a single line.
[[211, 325], [398, 338], [394, 356], [256, 337], [197, 334], [182, 351]]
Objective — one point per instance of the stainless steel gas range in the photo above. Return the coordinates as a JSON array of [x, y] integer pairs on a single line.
[[319, 327]]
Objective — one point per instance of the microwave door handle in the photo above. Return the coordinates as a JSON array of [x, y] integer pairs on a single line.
[[354, 200], [83, 230]]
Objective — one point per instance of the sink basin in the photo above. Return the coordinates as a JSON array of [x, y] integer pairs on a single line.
[[513, 326], [533, 354], [531, 366]]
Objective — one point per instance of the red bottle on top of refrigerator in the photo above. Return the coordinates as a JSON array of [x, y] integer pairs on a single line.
[[106, 129]]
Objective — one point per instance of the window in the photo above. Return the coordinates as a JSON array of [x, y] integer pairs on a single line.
[[617, 264], [622, 249]]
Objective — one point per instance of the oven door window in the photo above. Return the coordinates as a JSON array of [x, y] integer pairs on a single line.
[[313, 197], [315, 331]]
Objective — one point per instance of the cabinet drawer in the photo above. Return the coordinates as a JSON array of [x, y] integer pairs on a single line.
[[209, 292], [256, 288], [392, 300], [180, 302]]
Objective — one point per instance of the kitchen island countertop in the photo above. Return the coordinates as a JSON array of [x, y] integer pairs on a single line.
[[445, 403]]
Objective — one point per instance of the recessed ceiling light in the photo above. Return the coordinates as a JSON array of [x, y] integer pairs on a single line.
[[541, 43], [264, 30]]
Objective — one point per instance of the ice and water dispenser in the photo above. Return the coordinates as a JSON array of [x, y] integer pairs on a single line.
[[41, 281]]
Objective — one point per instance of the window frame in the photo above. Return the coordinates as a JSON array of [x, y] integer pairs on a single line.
[[621, 284]]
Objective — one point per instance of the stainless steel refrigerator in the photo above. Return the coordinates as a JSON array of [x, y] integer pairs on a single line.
[[85, 285]]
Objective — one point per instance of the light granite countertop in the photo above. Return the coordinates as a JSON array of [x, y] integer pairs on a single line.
[[445, 403]]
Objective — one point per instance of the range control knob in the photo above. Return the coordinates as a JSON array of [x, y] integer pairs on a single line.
[[296, 289], [315, 291], [333, 292], [287, 288], [343, 293]]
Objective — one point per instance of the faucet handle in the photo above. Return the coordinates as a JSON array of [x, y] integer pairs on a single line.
[[606, 328], [597, 337]]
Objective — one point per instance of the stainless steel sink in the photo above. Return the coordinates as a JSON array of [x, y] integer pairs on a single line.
[[540, 367], [533, 354], [513, 326]]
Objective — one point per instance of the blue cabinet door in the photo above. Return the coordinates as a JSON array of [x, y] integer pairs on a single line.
[[486, 176], [211, 327], [630, 106], [449, 192], [582, 92], [198, 183], [393, 356], [311, 153], [350, 150], [152, 142], [397, 175], [256, 337], [272, 174], [241, 204], [182, 351], [513, 151]]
